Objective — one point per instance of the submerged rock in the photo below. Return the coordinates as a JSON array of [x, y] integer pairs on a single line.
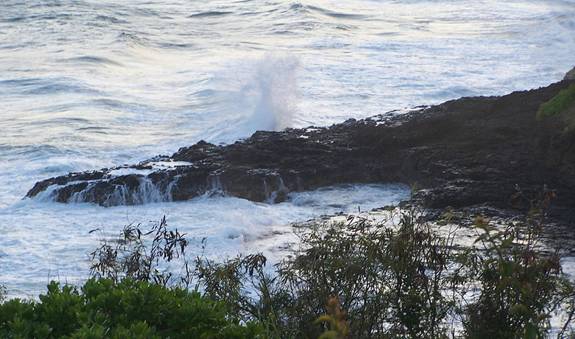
[[464, 152]]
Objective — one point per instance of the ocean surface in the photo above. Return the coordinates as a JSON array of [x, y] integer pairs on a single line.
[[86, 84]]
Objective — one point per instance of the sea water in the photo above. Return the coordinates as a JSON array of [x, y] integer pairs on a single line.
[[86, 84]]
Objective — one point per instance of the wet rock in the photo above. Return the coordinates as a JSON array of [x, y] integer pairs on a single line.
[[464, 152]]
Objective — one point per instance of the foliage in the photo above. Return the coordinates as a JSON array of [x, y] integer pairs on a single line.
[[388, 281], [134, 256], [518, 287], [126, 309], [405, 281], [560, 105], [521, 286], [402, 277], [335, 318]]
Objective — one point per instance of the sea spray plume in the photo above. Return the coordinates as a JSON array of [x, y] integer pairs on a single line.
[[260, 95], [274, 89]]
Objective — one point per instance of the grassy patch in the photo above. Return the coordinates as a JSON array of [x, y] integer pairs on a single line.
[[559, 104]]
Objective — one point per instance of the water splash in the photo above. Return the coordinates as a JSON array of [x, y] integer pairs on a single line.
[[257, 95], [274, 91]]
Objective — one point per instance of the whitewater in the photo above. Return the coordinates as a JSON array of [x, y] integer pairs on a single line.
[[88, 84]]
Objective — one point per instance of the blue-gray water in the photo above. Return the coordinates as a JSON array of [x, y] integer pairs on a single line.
[[93, 83]]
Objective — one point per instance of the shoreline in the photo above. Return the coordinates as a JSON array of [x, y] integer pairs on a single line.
[[464, 153]]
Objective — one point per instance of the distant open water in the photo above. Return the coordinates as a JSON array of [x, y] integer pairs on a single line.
[[90, 84]]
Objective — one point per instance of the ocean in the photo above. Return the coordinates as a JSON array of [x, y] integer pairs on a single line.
[[86, 84]]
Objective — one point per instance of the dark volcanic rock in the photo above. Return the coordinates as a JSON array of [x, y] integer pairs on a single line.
[[460, 153]]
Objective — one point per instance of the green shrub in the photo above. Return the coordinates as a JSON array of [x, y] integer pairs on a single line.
[[518, 287], [402, 277], [126, 309], [558, 104], [521, 284], [406, 281], [139, 256], [563, 105], [388, 282]]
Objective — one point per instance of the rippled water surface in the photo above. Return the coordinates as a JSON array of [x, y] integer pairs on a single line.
[[87, 84]]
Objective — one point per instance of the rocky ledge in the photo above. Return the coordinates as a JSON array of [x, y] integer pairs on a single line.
[[470, 151]]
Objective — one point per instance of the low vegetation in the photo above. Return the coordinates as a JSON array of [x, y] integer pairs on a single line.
[[562, 105], [405, 281], [401, 277], [103, 308]]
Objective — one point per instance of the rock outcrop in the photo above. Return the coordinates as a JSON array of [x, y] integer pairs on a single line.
[[570, 75], [459, 153]]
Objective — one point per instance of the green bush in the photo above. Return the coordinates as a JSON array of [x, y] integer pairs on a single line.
[[139, 256], [403, 277], [519, 287], [402, 281], [560, 105], [389, 282], [126, 309]]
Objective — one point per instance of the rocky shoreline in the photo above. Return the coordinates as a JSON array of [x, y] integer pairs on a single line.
[[462, 153]]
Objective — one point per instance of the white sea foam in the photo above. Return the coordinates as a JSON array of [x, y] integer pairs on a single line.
[[129, 171], [42, 241]]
